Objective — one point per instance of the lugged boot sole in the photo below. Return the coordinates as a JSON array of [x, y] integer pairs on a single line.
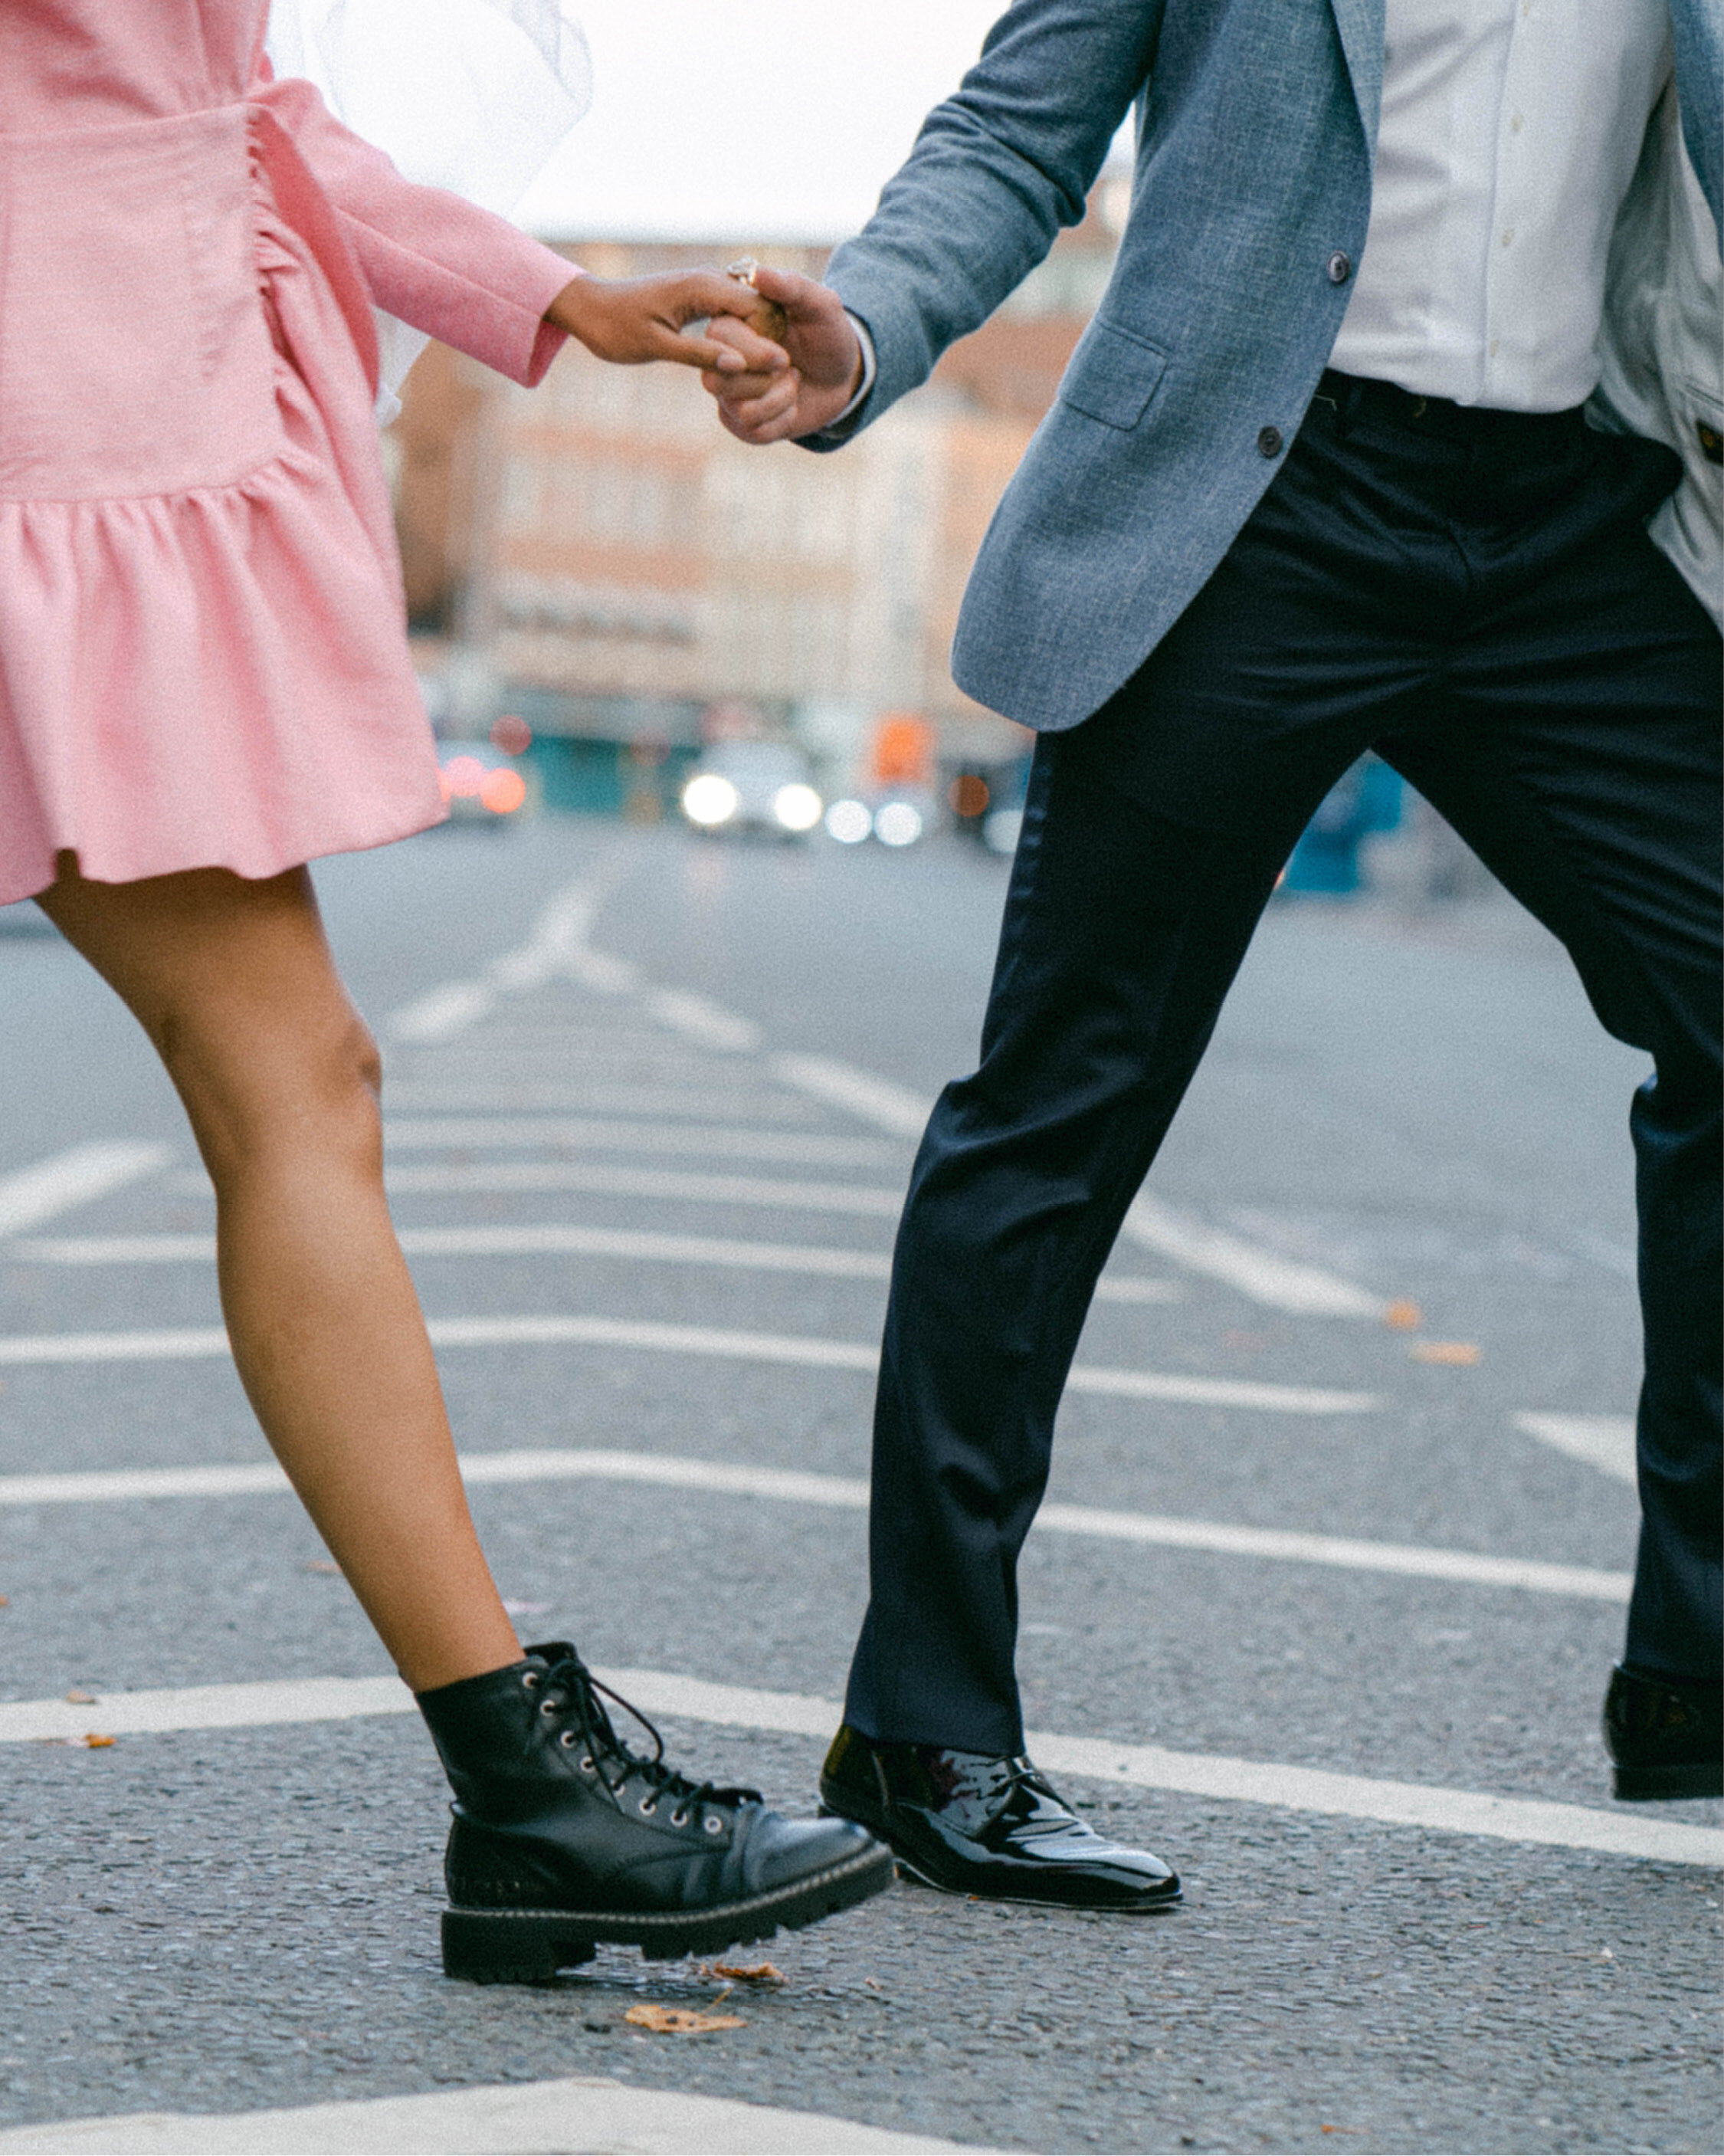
[[530, 1946]]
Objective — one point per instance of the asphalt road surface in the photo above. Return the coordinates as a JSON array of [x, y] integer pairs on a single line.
[[1322, 1609]]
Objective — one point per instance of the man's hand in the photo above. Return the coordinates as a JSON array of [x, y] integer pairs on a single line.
[[759, 404], [643, 318]]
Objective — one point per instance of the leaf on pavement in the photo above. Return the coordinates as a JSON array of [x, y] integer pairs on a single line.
[[758, 1972], [1404, 1315], [81, 1698], [1462, 1354], [680, 2021], [97, 1743]]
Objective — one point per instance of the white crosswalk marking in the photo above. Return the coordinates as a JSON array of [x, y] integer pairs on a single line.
[[634, 1245], [1606, 1442], [1145, 1766], [262, 1478], [29, 1197], [193, 1343], [1263, 1276], [584, 2115], [501, 1133]]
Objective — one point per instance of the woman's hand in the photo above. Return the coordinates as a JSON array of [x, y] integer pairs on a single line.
[[642, 318]]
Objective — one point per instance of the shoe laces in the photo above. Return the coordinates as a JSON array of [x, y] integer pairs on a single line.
[[571, 1691]]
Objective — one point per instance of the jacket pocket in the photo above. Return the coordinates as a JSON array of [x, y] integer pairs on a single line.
[[1112, 377]]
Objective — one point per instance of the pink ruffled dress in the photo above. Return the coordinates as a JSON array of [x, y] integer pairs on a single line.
[[202, 650]]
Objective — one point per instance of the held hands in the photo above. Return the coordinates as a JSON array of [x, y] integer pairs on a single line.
[[767, 404], [636, 319]]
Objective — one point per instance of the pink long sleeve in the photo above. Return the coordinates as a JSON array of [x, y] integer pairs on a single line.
[[457, 272]]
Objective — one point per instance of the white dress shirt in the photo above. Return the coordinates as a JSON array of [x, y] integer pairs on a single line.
[[1510, 132]]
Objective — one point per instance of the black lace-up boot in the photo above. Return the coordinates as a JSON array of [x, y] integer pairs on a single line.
[[564, 1837]]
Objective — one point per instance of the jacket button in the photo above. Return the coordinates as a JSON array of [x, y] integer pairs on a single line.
[[1268, 442], [1340, 266]]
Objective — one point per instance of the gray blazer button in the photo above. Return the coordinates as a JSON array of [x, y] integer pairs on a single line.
[[1268, 441], [1340, 266]]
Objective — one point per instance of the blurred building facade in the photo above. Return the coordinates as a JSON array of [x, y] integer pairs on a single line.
[[599, 555]]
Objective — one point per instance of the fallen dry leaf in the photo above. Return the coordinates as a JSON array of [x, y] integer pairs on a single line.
[[759, 1972], [680, 2021], [97, 1743], [1403, 1317], [5, 1602], [81, 1698], [1462, 1354]]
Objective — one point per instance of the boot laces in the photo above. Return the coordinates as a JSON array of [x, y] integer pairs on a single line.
[[570, 1689]]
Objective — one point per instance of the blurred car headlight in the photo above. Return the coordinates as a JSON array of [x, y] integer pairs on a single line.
[[848, 822], [709, 800], [897, 823], [796, 807], [999, 833]]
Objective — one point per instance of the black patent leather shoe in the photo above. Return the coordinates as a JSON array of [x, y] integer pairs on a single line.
[[1665, 1736], [564, 1838], [975, 1825]]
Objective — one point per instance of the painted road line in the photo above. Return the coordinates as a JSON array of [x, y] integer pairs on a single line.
[[710, 1104], [263, 1478], [878, 1101], [585, 2115], [1217, 1391], [30, 1196], [1263, 1276], [707, 1105], [1144, 1766], [704, 1021], [1606, 1442], [504, 1133], [553, 1241], [871, 1200], [441, 1014], [192, 1343]]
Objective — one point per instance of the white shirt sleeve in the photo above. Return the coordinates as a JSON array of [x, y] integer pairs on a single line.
[[869, 370]]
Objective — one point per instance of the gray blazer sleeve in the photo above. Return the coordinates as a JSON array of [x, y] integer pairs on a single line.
[[996, 170]]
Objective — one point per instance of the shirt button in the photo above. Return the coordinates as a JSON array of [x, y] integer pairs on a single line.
[[1508, 235], [1340, 266], [1516, 123], [1268, 442]]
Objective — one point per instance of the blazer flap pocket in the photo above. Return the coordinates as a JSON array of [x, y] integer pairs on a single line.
[[1112, 375]]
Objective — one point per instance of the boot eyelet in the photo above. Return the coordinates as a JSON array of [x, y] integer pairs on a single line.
[[547, 1707], [648, 1806], [567, 1740], [713, 1825], [530, 1680], [679, 1819], [586, 1763]]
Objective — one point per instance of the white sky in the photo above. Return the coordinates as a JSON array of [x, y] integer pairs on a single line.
[[749, 119]]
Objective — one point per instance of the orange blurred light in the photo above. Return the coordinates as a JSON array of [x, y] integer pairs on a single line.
[[503, 791], [968, 794], [463, 776], [903, 750], [512, 735]]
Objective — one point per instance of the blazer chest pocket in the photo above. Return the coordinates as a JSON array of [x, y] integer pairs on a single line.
[[1112, 377]]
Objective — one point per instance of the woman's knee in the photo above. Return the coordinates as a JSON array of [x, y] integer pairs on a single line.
[[291, 1091]]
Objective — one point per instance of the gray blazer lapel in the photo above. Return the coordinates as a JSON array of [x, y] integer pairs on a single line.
[[1360, 23]]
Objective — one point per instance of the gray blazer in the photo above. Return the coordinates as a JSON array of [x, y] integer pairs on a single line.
[[1257, 123]]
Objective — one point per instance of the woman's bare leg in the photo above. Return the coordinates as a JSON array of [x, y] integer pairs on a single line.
[[234, 983]]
